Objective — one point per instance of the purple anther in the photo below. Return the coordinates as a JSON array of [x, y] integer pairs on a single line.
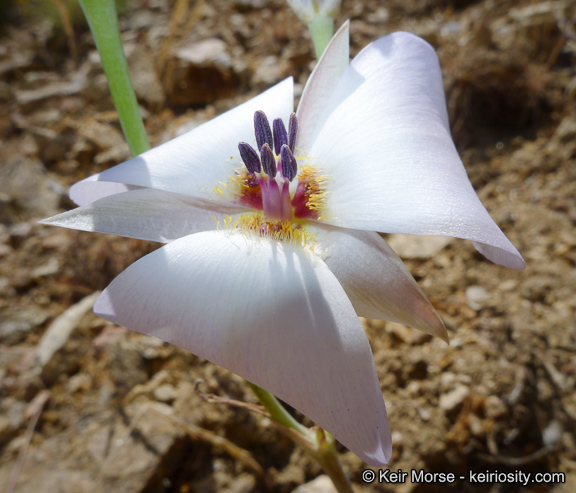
[[280, 135], [262, 129], [292, 131], [250, 157], [268, 161], [289, 165]]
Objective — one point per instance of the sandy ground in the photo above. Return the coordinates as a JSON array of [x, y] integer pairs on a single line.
[[111, 410]]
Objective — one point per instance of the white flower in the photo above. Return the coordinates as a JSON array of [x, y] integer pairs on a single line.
[[307, 10], [273, 292]]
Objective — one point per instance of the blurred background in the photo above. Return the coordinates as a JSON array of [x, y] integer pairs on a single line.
[[95, 407]]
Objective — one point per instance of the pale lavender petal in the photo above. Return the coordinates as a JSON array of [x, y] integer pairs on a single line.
[[321, 84], [146, 214], [271, 312], [199, 163], [384, 141], [86, 194], [375, 279]]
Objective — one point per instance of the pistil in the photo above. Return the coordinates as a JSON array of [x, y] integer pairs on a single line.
[[273, 170]]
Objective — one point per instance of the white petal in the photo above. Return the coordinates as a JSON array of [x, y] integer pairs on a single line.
[[146, 214], [375, 279], [271, 312], [92, 191], [385, 143], [198, 161], [321, 84]]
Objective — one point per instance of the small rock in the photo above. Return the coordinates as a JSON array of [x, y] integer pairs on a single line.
[[450, 401], [165, 393], [508, 285], [201, 73], [397, 438], [476, 297], [476, 426], [421, 247], [48, 269], [447, 380], [424, 413], [322, 484], [413, 388], [407, 334], [552, 434], [379, 16]]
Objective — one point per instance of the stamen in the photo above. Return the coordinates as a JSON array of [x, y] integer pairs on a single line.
[[289, 164], [268, 161], [267, 185], [250, 157], [262, 129], [292, 131], [280, 135]]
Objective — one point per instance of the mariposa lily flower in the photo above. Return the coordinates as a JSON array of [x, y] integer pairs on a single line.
[[270, 229]]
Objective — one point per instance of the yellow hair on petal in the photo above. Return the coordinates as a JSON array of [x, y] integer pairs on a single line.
[[316, 189], [284, 231]]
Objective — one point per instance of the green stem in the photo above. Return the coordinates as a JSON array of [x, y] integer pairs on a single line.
[[276, 410], [321, 29], [103, 22], [319, 444], [328, 459]]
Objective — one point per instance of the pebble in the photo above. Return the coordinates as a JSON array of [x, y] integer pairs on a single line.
[[424, 413], [508, 285], [48, 269], [202, 72], [397, 438], [322, 484], [450, 401], [165, 393], [476, 297], [552, 434], [421, 247]]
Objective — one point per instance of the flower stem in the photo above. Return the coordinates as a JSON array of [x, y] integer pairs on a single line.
[[319, 444], [103, 22], [321, 29], [328, 459], [276, 410]]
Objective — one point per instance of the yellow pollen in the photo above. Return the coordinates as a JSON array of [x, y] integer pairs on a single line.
[[315, 190], [286, 231]]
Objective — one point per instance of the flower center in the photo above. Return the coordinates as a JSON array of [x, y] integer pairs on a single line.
[[266, 183]]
